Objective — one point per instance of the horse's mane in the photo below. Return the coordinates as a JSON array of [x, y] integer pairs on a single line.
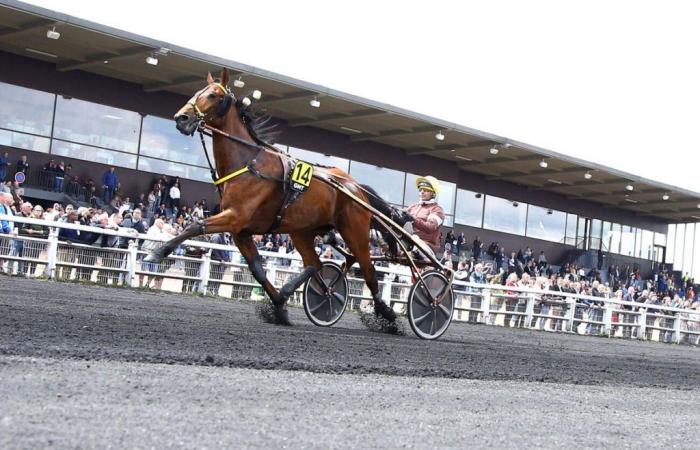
[[257, 122]]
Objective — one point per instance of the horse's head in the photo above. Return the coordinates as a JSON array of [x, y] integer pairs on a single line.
[[209, 104]]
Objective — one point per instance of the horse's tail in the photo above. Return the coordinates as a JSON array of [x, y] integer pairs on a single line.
[[385, 208]]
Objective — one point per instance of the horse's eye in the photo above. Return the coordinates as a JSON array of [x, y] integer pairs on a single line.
[[211, 96]]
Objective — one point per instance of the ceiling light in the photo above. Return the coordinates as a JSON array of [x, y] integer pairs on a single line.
[[106, 61], [257, 94], [238, 83], [631, 200], [515, 204], [629, 187], [53, 34], [494, 150], [152, 60], [439, 136], [543, 164], [463, 157], [315, 103], [665, 197], [39, 52], [551, 180], [588, 175], [352, 130], [698, 205]]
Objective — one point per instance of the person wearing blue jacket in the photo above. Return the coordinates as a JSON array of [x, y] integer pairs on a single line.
[[109, 185]]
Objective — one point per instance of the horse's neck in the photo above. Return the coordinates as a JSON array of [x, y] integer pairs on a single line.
[[229, 155]]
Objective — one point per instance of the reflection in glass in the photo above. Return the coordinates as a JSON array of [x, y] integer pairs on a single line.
[[547, 224], [678, 252], [647, 244], [319, 158], [696, 254], [94, 154], [99, 125], [615, 237], [501, 215], [25, 109], [606, 236], [688, 248], [386, 182], [446, 198], [469, 208], [660, 239], [671, 243], [161, 139], [174, 169], [627, 241], [24, 141], [571, 220], [596, 228]]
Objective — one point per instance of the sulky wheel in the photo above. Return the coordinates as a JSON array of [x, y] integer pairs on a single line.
[[430, 321], [324, 305]]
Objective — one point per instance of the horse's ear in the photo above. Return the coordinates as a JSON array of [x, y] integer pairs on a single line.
[[224, 76], [210, 79]]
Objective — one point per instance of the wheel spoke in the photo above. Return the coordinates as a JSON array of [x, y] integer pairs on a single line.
[[317, 307], [420, 319], [335, 280], [419, 297], [316, 289], [339, 298], [444, 310]]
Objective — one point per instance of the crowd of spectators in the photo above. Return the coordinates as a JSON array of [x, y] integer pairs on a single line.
[[160, 212]]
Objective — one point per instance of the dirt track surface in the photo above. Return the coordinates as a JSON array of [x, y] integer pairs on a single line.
[[61, 320]]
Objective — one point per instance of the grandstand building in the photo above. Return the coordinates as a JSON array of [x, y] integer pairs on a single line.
[[95, 96]]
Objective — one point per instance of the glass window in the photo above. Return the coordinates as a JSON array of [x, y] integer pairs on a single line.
[[696, 254], [581, 233], [446, 199], [688, 247], [571, 220], [94, 154], [24, 141], [606, 236], [659, 239], [387, 182], [647, 244], [469, 208], [319, 158], [596, 230], [615, 237], [627, 241], [504, 215], [26, 110], [98, 125], [547, 224], [174, 169], [638, 242], [160, 139], [678, 252], [671, 243]]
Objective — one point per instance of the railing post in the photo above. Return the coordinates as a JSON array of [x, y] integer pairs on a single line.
[[52, 253], [271, 273], [486, 305], [204, 270], [677, 327], [607, 318], [529, 309], [131, 262], [386, 289], [642, 331], [570, 313]]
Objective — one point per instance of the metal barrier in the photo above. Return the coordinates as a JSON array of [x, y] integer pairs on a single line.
[[506, 306]]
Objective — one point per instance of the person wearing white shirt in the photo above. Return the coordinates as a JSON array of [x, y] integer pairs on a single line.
[[175, 194]]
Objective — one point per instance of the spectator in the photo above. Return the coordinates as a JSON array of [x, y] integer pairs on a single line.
[[23, 165], [60, 173], [6, 201], [476, 248], [109, 185], [4, 164], [542, 260]]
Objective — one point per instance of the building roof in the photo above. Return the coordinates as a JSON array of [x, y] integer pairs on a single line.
[[114, 53]]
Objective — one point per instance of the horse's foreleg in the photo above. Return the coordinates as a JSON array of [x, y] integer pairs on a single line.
[[247, 248], [224, 221]]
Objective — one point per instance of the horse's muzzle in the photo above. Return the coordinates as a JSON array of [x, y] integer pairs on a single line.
[[186, 124]]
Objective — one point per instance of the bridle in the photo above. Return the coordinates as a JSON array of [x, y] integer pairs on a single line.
[[205, 129]]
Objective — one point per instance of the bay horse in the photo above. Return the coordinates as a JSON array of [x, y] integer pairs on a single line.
[[251, 184]]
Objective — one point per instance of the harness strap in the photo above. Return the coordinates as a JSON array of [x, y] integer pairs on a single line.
[[232, 175]]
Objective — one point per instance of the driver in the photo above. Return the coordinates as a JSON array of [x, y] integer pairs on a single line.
[[427, 215]]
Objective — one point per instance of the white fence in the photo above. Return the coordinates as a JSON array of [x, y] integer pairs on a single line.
[[477, 303]]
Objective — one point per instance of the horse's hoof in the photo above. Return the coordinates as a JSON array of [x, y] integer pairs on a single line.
[[272, 314], [383, 310]]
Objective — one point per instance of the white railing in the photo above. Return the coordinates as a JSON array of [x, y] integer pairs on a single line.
[[478, 303]]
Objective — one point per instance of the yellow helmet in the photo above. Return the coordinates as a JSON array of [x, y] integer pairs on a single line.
[[429, 182]]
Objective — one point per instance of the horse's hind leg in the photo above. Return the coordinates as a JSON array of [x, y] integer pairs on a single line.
[[304, 243], [355, 231]]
